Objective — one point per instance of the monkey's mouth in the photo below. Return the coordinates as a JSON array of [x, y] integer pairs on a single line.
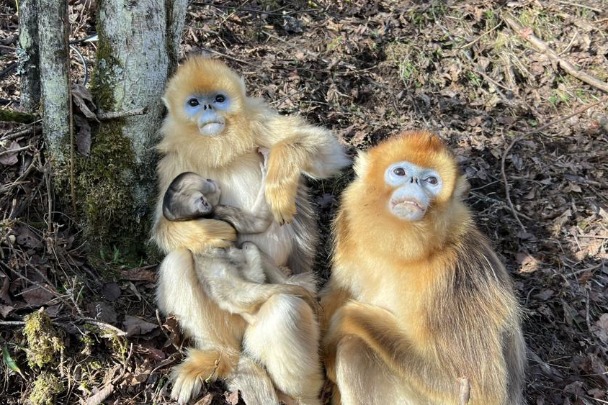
[[407, 208], [211, 128]]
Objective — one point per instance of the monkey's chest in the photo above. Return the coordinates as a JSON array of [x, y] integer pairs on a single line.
[[241, 184]]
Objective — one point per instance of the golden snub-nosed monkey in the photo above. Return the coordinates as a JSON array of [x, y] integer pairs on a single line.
[[418, 308], [214, 129]]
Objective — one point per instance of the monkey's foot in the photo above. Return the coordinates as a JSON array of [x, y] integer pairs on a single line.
[[200, 366], [186, 385]]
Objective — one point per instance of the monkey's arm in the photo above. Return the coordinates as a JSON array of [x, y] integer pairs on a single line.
[[243, 222], [379, 331], [296, 147]]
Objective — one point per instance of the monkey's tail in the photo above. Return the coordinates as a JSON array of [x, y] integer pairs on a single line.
[[201, 366]]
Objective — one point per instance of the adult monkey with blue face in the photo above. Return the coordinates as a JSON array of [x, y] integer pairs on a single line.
[[214, 130], [418, 310]]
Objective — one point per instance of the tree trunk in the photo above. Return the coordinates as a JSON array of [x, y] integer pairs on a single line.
[[27, 53], [54, 79], [137, 50]]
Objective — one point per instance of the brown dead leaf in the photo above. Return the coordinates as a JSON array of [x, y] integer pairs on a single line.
[[37, 296], [527, 263], [81, 95], [5, 310], [7, 157], [151, 352], [27, 238], [83, 135], [206, 400], [600, 328], [137, 326], [544, 295], [175, 336]]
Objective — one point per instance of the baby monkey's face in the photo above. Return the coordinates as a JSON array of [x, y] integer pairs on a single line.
[[190, 196]]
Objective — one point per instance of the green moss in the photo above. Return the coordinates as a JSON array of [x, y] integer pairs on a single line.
[[44, 342], [104, 188], [16, 116], [46, 387]]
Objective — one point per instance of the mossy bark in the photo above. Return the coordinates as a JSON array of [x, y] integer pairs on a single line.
[[116, 184]]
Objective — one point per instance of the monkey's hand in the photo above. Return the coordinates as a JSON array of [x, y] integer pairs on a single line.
[[284, 167]]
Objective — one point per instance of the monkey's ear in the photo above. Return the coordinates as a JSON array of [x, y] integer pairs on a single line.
[[166, 103], [461, 190], [361, 163]]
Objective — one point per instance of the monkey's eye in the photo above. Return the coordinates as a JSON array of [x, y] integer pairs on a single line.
[[220, 98], [399, 171], [193, 102], [432, 180]]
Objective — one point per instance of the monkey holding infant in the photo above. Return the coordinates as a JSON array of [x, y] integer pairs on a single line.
[[265, 348], [235, 278]]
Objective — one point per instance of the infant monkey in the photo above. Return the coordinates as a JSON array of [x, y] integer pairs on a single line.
[[234, 278]]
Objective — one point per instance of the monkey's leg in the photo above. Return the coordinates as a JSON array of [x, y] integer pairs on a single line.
[[362, 378], [300, 285], [276, 275], [285, 338], [254, 383], [220, 275], [179, 293], [379, 331]]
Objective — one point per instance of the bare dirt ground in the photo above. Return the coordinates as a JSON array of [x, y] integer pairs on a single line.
[[531, 137]]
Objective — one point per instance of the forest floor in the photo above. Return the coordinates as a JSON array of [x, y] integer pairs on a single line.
[[531, 137]]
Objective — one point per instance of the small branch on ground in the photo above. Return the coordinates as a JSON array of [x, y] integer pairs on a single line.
[[111, 115], [527, 34]]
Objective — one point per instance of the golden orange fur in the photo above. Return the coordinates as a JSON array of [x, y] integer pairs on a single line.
[[412, 308], [285, 323]]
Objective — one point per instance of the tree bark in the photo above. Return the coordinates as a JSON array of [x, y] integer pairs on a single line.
[[27, 53], [137, 50], [54, 78]]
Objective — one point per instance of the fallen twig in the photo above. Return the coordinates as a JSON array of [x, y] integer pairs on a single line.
[[111, 115], [541, 46]]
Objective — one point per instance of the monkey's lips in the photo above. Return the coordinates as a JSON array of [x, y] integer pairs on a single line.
[[409, 209], [211, 128]]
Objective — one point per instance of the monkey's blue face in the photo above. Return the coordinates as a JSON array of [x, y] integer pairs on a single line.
[[208, 111], [414, 188]]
